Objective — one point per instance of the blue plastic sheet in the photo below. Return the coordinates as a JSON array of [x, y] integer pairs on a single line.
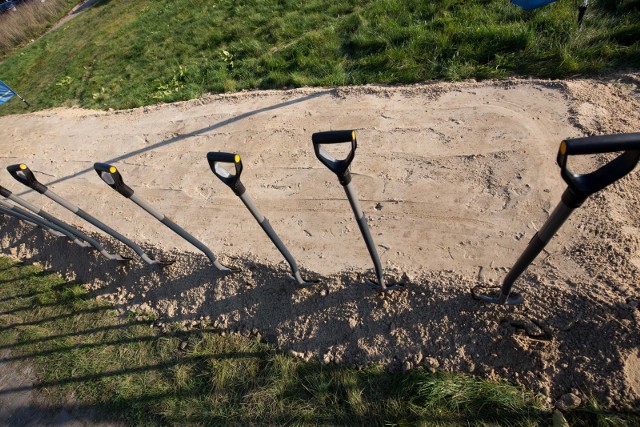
[[6, 93], [531, 4]]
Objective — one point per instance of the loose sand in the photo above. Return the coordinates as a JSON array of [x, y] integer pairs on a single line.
[[454, 179]]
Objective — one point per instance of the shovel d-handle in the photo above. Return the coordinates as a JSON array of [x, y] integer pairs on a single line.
[[23, 174], [215, 158], [584, 185], [580, 187], [110, 175], [339, 167]]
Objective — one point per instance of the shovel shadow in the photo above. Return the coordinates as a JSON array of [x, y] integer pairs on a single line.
[[116, 281], [344, 321], [198, 132], [434, 320]]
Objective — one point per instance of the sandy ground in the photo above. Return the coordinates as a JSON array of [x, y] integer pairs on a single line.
[[454, 178]]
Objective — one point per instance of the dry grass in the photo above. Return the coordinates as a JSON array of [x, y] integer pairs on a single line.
[[29, 22]]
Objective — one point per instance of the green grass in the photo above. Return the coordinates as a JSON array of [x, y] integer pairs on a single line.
[[122, 54], [127, 368]]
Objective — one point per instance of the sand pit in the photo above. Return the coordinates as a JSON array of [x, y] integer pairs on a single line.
[[454, 180]]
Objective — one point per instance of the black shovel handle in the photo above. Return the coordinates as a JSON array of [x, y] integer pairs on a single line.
[[339, 167], [232, 180], [4, 192], [23, 174], [586, 184], [110, 175]]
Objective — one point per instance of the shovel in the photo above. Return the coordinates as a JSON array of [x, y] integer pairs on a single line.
[[24, 175], [12, 210], [7, 209], [66, 227], [111, 176], [580, 187], [341, 169], [233, 182]]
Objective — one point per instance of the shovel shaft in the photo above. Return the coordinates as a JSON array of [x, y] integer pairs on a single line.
[[35, 220], [9, 212], [195, 242], [215, 160], [65, 227], [147, 207], [21, 99], [559, 215], [177, 229], [266, 226], [99, 224], [364, 229]]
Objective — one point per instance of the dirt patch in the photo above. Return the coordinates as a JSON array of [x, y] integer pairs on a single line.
[[632, 372], [454, 180], [22, 405]]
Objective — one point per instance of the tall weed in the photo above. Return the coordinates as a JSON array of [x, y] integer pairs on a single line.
[[29, 21]]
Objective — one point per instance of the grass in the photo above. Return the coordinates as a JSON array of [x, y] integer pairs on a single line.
[[126, 369], [123, 54]]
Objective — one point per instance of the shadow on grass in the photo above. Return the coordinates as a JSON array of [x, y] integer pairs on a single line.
[[200, 377], [85, 346], [54, 318], [94, 411], [54, 337], [243, 376], [24, 276], [122, 372], [58, 287], [378, 396]]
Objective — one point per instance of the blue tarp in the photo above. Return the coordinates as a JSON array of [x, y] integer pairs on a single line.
[[531, 4], [6, 93]]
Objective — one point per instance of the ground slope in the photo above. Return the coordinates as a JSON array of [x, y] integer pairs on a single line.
[[454, 178]]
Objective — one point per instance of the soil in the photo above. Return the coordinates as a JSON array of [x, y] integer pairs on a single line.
[[22, 405], [454, 180]]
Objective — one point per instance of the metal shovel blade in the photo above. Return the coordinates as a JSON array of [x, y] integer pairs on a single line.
[[494, 296]]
